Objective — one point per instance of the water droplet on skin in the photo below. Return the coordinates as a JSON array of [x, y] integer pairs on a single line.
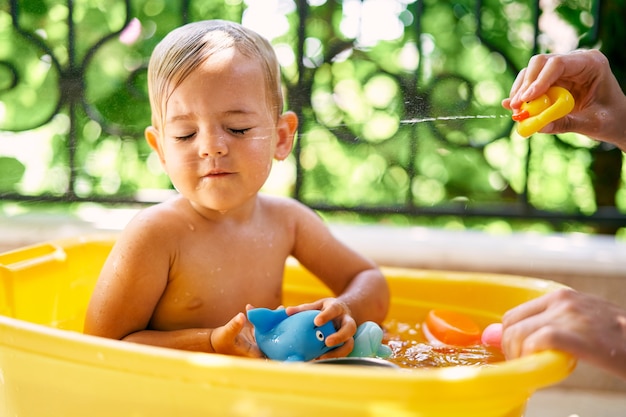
[[195, 304]]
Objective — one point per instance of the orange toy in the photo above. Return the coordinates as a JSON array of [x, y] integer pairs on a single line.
[[534, 115], [452, 328]]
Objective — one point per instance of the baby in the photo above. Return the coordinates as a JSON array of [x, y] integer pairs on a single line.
[[183, 272]]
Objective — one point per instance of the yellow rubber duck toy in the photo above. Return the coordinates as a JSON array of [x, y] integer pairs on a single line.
[[534, 115]]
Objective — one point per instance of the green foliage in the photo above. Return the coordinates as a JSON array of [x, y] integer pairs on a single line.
[[28, 80], [11, 172], [387, 99], [411, 118]]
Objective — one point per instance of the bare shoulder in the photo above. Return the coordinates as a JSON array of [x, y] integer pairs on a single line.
[[162, 215], [287, 208], [155, 225], [301, 222]]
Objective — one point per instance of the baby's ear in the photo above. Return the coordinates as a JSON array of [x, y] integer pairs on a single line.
[[286, 130], [153, 137]]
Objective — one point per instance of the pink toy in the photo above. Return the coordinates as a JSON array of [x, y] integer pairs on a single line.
[[492, 335]]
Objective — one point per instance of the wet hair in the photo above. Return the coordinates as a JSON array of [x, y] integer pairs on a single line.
[[188, 46]]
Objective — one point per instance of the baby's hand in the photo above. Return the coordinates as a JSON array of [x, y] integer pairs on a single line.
[[332, 309], [236, 338]]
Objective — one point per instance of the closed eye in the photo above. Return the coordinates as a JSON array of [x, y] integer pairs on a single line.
[[185, 137], [239, 132]]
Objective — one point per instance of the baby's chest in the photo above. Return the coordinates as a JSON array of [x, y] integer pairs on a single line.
[[227, 283], [215, 273], [211, 294]]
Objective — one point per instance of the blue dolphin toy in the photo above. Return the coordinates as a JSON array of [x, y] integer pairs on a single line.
[[297, 338], [290, 338]]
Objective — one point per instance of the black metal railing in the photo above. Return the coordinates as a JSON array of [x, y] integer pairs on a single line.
[[405, 122]]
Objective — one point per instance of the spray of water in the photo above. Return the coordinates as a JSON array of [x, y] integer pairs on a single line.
[[434, 119]]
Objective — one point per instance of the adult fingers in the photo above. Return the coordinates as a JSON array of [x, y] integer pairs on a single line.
[[511, 102], [525, 310]]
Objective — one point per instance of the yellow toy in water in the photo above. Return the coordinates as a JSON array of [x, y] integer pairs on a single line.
[[534, 115]]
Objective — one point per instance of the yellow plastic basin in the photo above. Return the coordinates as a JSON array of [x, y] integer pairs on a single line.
[[48, 368]]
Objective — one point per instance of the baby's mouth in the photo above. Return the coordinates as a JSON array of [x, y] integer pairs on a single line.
[[216, 174]]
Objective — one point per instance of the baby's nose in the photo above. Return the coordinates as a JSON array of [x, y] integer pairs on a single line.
[[211, 145]]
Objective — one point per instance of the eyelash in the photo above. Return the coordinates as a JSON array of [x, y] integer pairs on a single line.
[[238, 132], [184, 138]]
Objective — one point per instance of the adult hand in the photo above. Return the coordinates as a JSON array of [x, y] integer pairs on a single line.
[[600, 109], [588, 327]]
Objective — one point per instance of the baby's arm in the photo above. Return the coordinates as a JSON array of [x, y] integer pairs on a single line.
[[130, 285], [131, 282], [361, 291], [234, 338]]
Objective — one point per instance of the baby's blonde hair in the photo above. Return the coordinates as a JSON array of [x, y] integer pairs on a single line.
[[188, 46]]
